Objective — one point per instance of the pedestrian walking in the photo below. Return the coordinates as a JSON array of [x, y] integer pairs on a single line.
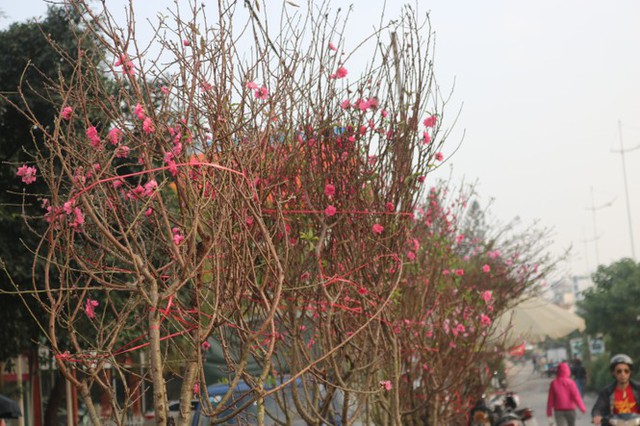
[[563, 398], [579, 374]]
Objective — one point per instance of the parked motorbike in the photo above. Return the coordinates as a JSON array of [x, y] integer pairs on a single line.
[[501, 410], [622, 420]]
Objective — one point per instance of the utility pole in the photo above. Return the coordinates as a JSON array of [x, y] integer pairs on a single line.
[[622, 151], [593, 209]]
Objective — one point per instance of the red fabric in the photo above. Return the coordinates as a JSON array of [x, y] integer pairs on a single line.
[[624, 402], [517, 350], [563, 392]]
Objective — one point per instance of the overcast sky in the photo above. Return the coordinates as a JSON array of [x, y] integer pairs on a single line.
[[542, 86]]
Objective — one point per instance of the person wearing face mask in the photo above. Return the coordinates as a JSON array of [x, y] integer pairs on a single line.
[[621, 396]]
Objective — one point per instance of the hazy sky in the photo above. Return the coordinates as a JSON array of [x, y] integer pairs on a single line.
[[542, 86]]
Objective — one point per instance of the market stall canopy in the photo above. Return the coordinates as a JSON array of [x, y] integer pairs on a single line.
[[9, 409], [533, 319]]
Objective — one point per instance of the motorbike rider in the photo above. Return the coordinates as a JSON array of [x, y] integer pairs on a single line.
[[621, 396]]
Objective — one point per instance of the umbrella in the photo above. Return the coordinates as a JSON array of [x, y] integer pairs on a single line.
[[534, 319], [9, 409]]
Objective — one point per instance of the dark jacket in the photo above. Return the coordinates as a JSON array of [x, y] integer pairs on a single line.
[[603, 404]]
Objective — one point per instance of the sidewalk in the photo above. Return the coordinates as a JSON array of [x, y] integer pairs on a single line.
[[533, 388]]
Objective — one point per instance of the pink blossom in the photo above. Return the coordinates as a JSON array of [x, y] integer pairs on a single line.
[[147, 126], [486, 268], [439, 156], [28, 174], [377, 228], [186, 42], [386, 385], [89, 308], [332, 47], [493, 254], [261, 93], [460, 272], [430, 121], [389, 206], [330, 211], [177, 236], [411, 255], [345, 104], [128, 67], [66, 113], [486, 296], [148, 212], [122, 151], [138, 110], [340, 73], [251, 85], [78, 220], [114, 136], [117, 183], [196, 387], [329, 190], [150, 187], [426, 139], [363, 105], [485, 320], [206, 346], [68, 206], [165, 90], [94, 138]]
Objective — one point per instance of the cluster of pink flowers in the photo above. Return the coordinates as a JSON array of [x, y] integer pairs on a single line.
[[177, 236], [114, 136], [341, 72], [94, 138], [377, 229], [330, 210], [66, 113], [89, 308], [259, 92], [128, 67], [27, 173], [386, 385]]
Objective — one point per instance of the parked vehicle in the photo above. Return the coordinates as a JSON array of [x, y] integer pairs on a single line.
[[249, 414], [509, 413], [501, 410]]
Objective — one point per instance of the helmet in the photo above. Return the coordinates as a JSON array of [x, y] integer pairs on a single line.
[[620, 359]]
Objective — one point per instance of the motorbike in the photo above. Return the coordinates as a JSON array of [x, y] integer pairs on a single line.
[[501, 410], [622, 420]]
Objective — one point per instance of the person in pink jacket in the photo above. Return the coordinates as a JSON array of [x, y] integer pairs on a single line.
[[564, 397]]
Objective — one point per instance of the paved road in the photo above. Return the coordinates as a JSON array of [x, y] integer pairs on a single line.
[[533, 388]]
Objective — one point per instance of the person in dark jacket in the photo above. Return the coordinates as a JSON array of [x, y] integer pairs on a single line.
[[579, 375], [620, 397]]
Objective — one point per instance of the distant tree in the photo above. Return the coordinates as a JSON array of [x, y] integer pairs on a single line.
[[611, 308], [31, 56], [28, 53]]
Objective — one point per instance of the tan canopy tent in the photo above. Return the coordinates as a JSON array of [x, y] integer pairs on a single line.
[[533, 319]]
